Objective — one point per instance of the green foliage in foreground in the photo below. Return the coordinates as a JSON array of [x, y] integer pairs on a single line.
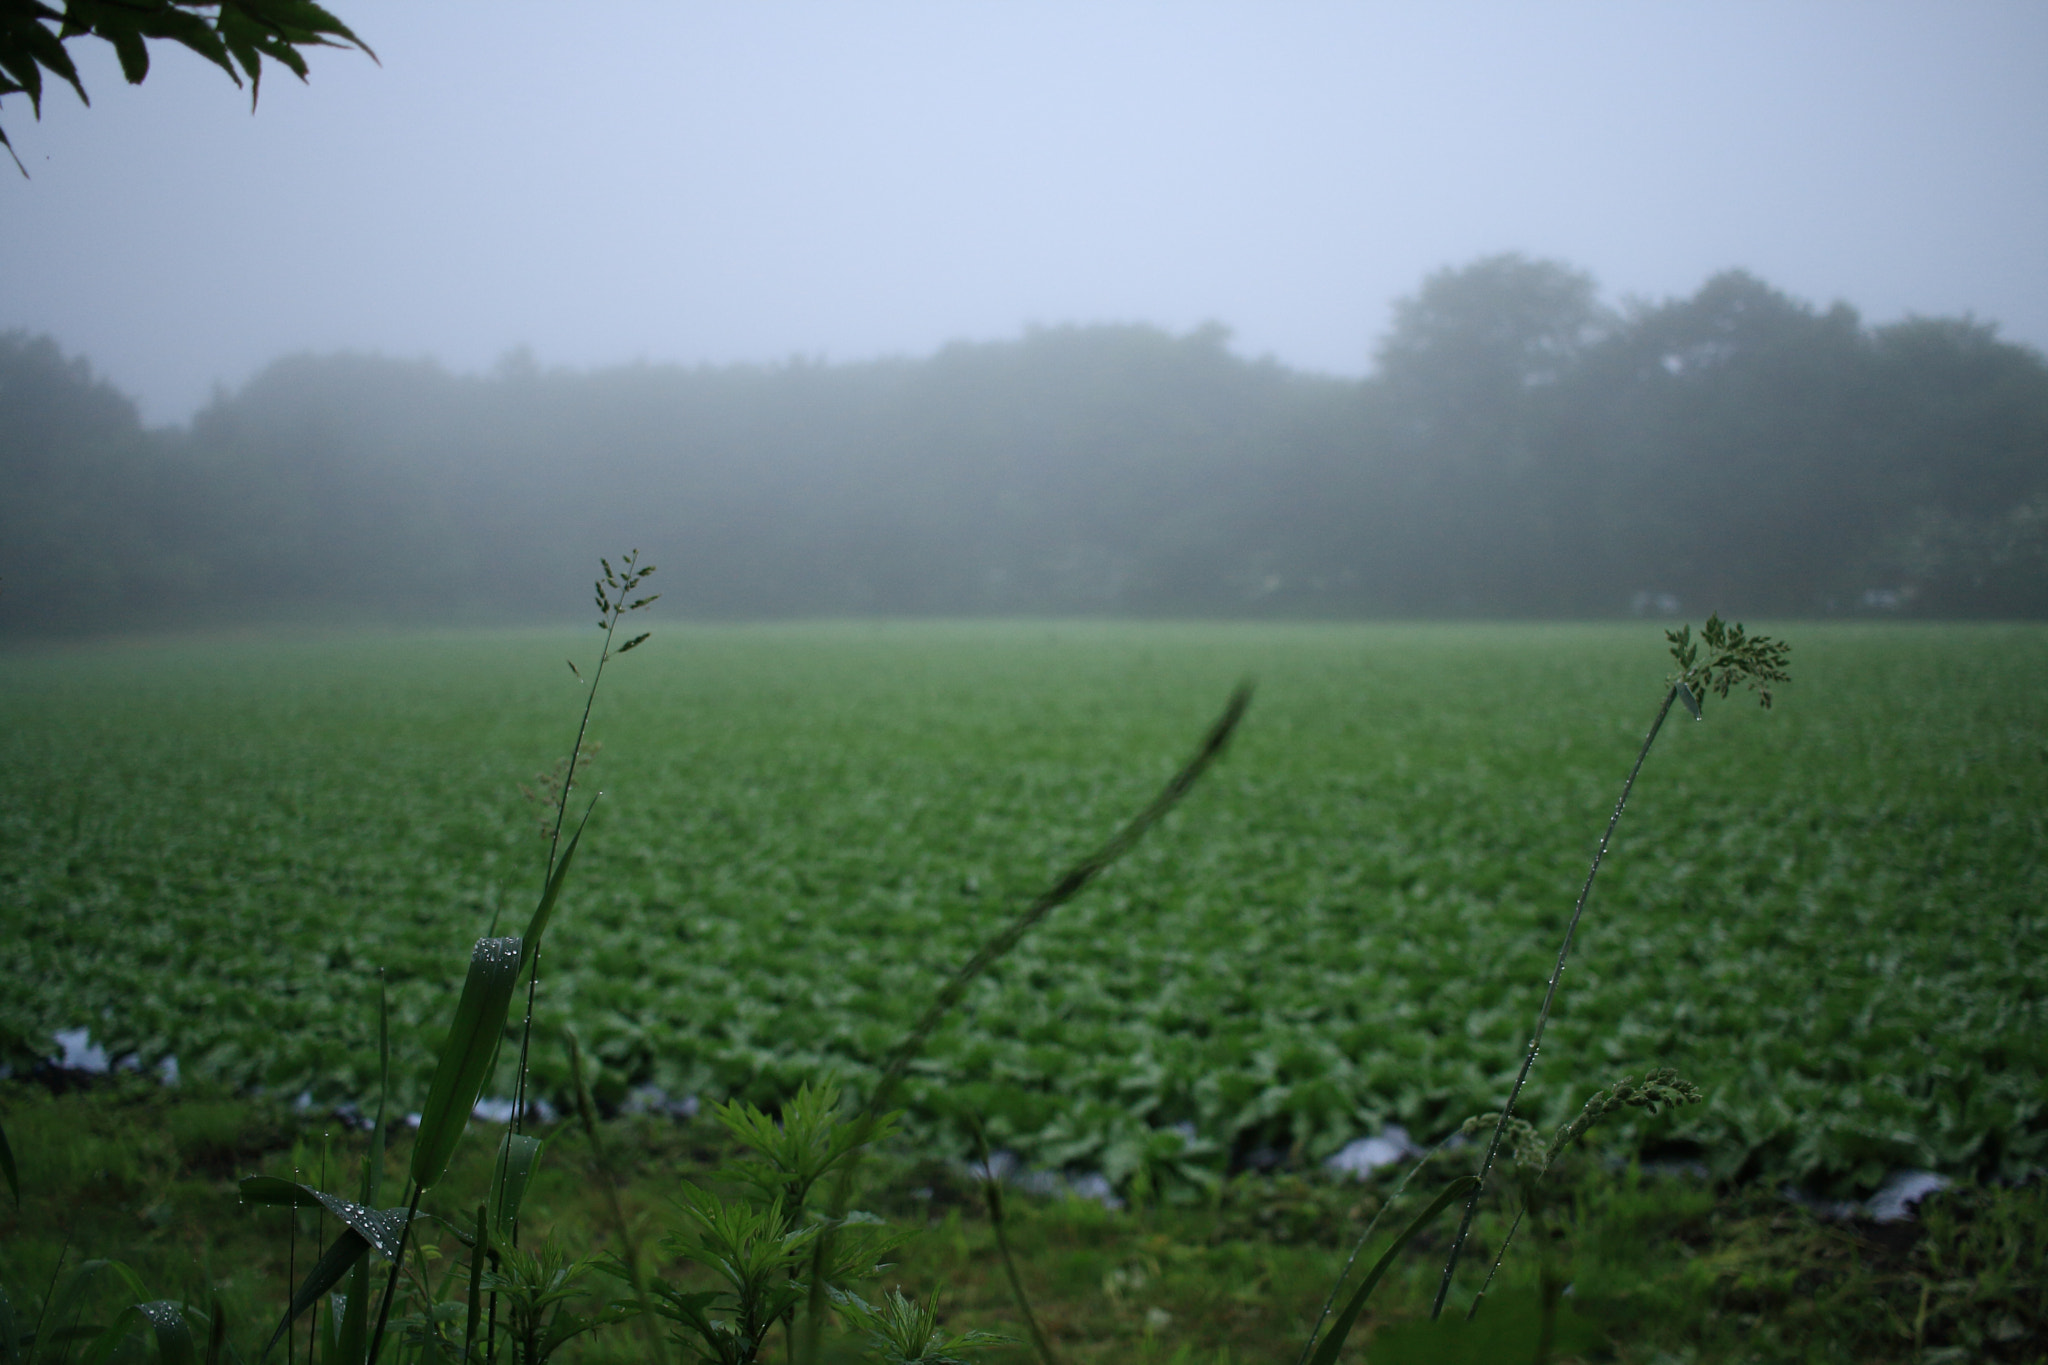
[[1662, 1270], [1828, 916]]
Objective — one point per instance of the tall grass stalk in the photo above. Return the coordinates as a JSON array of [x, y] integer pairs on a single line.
[[992, 1193], [412, 1210], [613, 595], [291, 1268], [586, 1112], [469, 1056], [611, 592], [1731, 656], [1549, 998], [50, 1290], [1068, 885], [1358, 1247], [1326, 1353], [313, 1324]]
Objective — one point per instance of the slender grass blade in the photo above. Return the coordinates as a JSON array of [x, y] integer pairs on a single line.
[[113, 1338], [538, 925], [1326, 1353], [347, 1250], [352, 1343], [1070, 884], [522, 1153], [69, 1301], [217, 1332], [992, 1191], [373, 1163], [477, 1261]]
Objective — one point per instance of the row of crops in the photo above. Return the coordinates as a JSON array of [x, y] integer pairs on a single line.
[[1830, 915]]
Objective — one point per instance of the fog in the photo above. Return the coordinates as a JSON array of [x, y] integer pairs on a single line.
[[1524, 450], [1317, 311], [721, 183]]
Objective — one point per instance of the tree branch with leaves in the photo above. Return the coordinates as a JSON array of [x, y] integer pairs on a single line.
[[235, 35]]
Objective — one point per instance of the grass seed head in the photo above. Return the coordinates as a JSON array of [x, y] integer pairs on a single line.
[[1731, 656]]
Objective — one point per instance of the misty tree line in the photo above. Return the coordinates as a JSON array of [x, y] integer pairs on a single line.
[[1520, 451]]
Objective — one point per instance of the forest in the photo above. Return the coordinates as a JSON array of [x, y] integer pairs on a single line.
[[1520, 450]]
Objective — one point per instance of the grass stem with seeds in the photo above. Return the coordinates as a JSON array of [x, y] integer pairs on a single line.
[[1732, 656]]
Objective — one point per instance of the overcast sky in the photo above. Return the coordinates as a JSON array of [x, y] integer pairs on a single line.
[[724, 182]]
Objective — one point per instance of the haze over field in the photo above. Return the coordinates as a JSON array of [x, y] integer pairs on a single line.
[[720, 183], [1337, 311]]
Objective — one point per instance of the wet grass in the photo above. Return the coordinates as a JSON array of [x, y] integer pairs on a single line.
[[1664, 1268]]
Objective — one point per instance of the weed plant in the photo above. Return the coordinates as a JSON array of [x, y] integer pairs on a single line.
[[1731, 657], [533, 1283], [1723, 657], [1661, 1265]]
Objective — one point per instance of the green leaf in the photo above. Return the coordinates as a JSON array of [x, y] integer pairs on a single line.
[[379, 1227], [128, 45], [111, 1338], [1686, 697], [216, 1332], [466, 1055], [1333, 1342], [39, 48], [348, 1249], [173, 1334], [522, 1153], [27, 78], [352, 1343]]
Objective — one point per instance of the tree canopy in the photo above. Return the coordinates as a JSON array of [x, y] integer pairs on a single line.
[[1524, 452]]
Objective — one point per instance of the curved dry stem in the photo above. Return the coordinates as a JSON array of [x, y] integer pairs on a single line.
[[1070, 884]]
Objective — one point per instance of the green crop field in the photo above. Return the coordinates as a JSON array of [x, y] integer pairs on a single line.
[[1830, 915]]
